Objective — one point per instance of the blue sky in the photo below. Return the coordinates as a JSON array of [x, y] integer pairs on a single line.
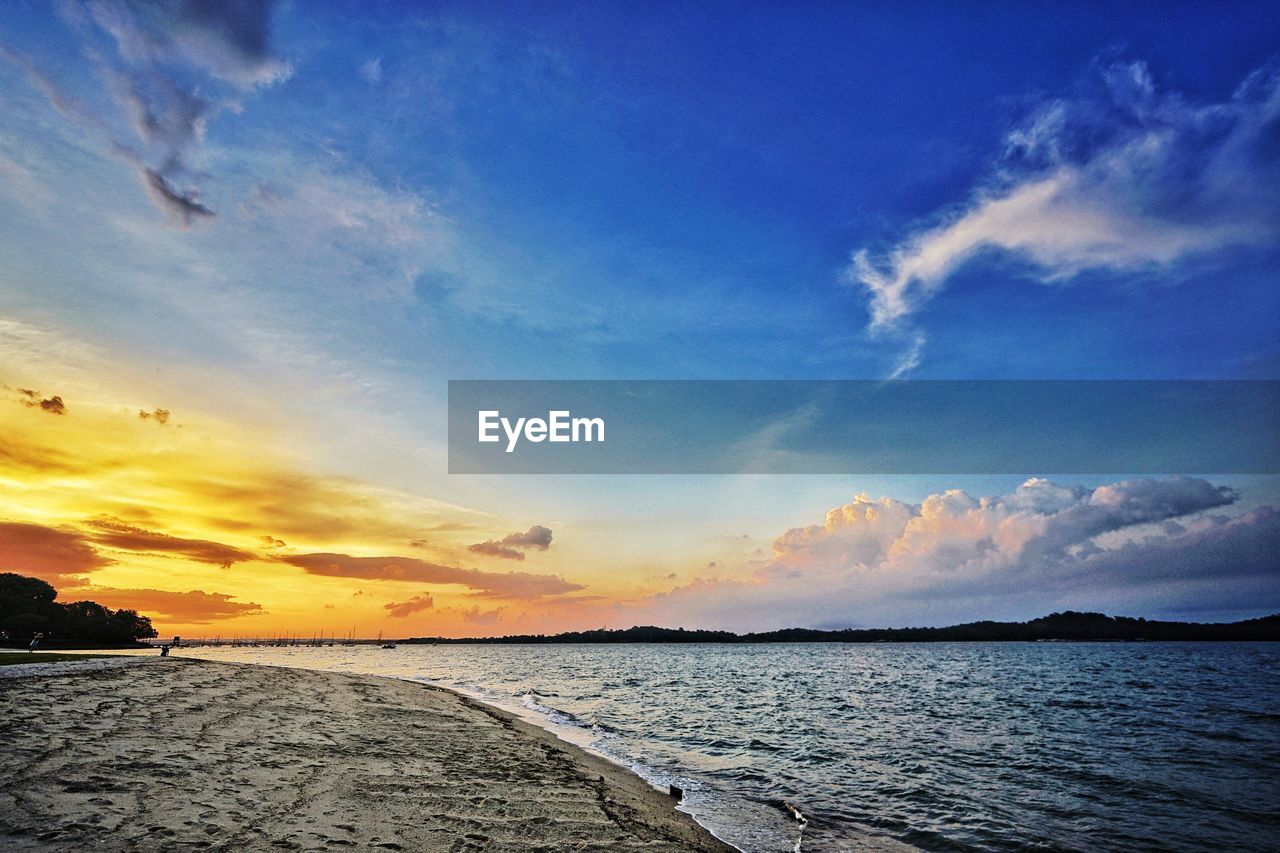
[[676, 191], [308, 217]]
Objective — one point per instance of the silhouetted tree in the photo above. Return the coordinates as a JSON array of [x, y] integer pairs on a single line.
[[28, 605]]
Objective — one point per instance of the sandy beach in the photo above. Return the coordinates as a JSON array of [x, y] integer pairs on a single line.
[[164, 754]]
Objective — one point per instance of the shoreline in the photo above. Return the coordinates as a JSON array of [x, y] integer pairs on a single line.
[[221, 755]]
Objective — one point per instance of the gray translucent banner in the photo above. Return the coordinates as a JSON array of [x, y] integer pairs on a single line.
[[863, 427]]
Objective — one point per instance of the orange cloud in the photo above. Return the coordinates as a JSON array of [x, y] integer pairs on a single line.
[[476, 616], [413, 605], [194, 607], [522, 585], [155, 514], [53, 554], [118, 534]]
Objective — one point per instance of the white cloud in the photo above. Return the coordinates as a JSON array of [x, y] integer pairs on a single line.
[[1150, 545], [1132, 179]]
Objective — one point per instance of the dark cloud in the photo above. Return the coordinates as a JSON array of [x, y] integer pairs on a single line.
[[413, 605], [167, 54], [160, 416], [195, 606], [520, 585], [53, 554], [537, 537], [508, 547], [1213, 549], [181, 205], [118, 534], [32, 400], [491, 548], [227, 39]]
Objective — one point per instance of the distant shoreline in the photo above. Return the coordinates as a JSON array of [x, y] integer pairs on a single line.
[[1057, 627]]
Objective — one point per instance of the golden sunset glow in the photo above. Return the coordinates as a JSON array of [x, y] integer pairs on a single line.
[[213, 530]]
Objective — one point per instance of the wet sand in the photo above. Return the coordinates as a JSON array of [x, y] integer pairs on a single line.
[[166, 754]]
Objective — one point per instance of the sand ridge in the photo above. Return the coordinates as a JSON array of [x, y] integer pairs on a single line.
[[176, 753]]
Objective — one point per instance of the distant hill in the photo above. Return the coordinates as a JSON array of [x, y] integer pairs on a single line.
[[1056, 626]]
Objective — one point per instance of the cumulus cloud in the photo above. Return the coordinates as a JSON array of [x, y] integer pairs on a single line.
[[55, 554], [1125, 178], [516, 585], [1153, 544], [407, 608], [115, 533], [512, 546]]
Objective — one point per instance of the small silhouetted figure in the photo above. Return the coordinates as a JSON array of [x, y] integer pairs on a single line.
[[164, 651], [35, 642]]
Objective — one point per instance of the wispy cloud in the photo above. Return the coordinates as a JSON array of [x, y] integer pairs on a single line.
[[115, 533], [1127, 179], [371, 71], [164, 55], [516, 585], [227, 39]]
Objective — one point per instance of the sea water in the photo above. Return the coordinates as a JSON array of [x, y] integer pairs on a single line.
[[940, 746]]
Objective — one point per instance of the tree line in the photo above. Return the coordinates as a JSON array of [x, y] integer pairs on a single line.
[[28, 607]]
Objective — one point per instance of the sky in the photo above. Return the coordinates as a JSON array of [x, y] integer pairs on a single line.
[[244, 245]]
